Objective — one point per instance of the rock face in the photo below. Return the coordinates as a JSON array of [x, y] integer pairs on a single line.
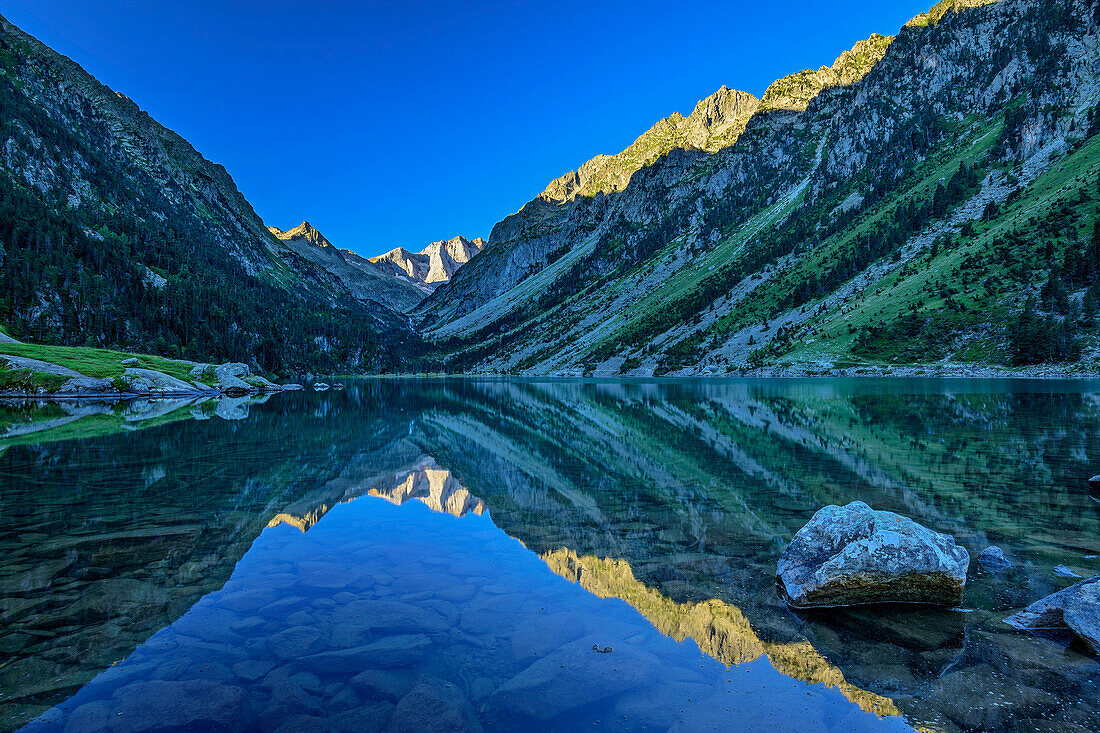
[[1076, 608], [715, 123], [854, 555], [432, 266], [150, 381], [993, 559]]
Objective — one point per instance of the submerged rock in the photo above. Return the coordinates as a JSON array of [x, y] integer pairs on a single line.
[[992, 558], [854, 555], [1064, 572], [188, 705], [569, 678], [1076, 608], [433, 705]]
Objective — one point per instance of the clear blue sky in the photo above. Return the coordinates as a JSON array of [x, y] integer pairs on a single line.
[[402, 122]]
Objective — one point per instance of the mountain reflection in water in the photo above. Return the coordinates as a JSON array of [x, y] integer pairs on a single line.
[[676, 498]]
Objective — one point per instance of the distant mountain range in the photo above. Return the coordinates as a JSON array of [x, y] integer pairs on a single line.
[[432, 266], [927, 200], [398, 279]]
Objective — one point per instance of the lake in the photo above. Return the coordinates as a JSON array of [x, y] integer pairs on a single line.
[[534, 555]]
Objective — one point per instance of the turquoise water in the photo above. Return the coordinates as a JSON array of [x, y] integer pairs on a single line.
[[410, 554]]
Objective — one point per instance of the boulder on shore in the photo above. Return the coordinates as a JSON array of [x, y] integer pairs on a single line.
[[854, 555], [1076, 608], [231, 378]]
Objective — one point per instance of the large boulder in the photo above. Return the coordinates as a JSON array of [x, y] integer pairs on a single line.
[[231, 378], [854, 555], [1076, 608], [150, 381], [87, 386]]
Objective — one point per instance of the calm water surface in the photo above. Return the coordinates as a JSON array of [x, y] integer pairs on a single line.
[[489, 555]]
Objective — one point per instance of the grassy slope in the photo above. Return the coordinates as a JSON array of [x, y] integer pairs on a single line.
[[99, 363], [891, 297]]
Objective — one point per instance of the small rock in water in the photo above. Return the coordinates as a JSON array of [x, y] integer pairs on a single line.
[[992, 558], [1094, 483], [1076, 608], [1065, 572], [854, 555], [433, 705]]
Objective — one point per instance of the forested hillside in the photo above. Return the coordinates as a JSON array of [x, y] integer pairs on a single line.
[[115, 232]]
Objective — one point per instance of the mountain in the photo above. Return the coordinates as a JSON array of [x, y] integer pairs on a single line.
[[115, 231], [716, 122], [363, 279], [432, 266], [927, 199]]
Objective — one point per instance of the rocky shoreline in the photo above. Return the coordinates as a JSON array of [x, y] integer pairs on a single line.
[[938, 372], [206, 380]]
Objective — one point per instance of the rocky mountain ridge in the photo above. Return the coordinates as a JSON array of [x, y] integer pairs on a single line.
[[714, 124], [860, 208], [432, 266]]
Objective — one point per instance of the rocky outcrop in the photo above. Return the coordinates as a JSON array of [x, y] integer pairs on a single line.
[[231, 377], [853, 555], [38, 365], [150, 381], [1076, 608], [432, 266], [205, 380], [793, 93]]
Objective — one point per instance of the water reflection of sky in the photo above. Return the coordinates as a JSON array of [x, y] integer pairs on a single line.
[[676, 498], [401, 617]]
